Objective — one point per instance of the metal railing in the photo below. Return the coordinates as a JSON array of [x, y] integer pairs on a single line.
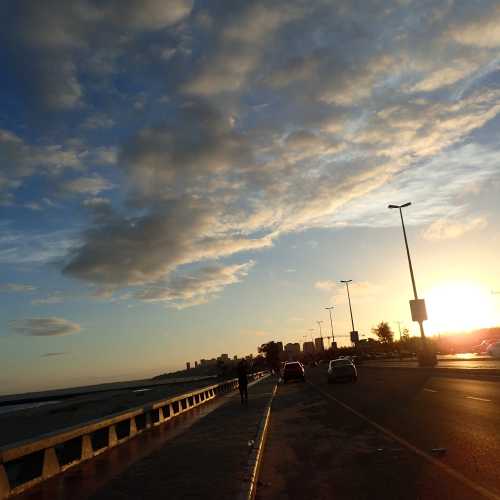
[[27, 463]]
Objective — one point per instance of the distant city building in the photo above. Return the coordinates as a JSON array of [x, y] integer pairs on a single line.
[[224, 357], [280, 347], [308, 347], [188, 365], [318, 343], [292, 348], [235, 358], [207, 362], [196, 364]]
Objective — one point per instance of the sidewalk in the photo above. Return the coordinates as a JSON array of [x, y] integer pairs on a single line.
[[207, 461]]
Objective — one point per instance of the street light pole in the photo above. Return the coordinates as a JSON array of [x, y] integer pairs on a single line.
[[349, 299], [427, 358], [319, 324], [415, 294], [330, 309]]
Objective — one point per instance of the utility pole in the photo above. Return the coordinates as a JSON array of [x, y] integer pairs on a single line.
[[330, 309]]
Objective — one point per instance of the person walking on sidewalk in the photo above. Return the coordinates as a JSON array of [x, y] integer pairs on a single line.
[[243, 380]]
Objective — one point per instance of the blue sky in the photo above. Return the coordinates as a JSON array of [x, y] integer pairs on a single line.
[[180, 179]]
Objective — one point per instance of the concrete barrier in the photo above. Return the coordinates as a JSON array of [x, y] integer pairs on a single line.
[[27, 463]]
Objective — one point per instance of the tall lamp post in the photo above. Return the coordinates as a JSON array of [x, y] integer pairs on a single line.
[[354, 333], [418, 311], [330, 309]]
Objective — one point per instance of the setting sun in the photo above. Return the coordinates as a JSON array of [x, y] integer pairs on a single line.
[[459, 306]]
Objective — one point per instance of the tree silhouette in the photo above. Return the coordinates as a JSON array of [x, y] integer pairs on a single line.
[[272, 353], [383, 332]]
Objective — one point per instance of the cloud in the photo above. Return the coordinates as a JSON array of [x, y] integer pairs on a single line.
[[92, 185], [16, 287], [55, 298], [254, 121], [98, 120], [51, 354], [195, 288], [21, 160], [239, 45], [479, 30], [445, 229], [18, 247], [42, 327], [59, 32], [362, 291]]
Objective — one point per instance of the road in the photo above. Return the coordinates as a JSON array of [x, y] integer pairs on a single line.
[[445, 362], [375, 438]]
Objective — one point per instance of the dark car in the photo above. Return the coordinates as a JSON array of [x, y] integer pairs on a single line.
[[342, 369], [293, 371]]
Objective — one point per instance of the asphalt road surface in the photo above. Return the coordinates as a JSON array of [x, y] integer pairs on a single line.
[[401, 434], [444, 363]]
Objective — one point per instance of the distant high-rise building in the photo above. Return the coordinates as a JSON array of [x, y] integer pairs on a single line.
[[318, 343], [308, 347], [196, 364], [292, 348], [188, 365], [235, 358], [224, 357]]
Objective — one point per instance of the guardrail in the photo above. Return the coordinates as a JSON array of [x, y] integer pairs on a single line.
[[27, 463]]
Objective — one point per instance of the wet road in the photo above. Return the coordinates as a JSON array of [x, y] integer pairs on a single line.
[[394, 434]]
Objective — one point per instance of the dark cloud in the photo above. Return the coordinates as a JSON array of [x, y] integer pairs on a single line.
[[44, 327], [197, 143], [58, 31], [50, 354], [245, 121]]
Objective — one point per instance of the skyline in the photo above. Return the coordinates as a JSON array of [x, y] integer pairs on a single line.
[[192, 178]]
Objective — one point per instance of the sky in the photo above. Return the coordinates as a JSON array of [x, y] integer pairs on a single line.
[[183, 178]]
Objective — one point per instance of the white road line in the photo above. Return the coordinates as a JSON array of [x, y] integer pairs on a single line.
[[478, 399], [484, 492], [429, 390]]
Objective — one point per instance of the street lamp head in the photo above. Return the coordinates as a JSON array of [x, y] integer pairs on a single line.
[[345, 281], [400, 206], [331, 307]]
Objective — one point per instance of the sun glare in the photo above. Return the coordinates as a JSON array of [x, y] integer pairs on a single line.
[[459, 306]]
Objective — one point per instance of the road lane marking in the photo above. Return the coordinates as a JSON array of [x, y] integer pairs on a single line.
[[429, 390], [403, 442], [478, 399]]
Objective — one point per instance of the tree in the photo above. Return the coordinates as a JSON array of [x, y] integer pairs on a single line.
[[383, 332], [272, 353], [405, 335]]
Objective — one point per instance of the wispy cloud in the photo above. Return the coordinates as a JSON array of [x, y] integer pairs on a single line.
[[195, 288], [44, 326], [16, 287], [445, 229], [51, 354]]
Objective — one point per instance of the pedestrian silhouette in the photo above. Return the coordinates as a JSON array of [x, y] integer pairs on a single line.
[[243, 380]]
